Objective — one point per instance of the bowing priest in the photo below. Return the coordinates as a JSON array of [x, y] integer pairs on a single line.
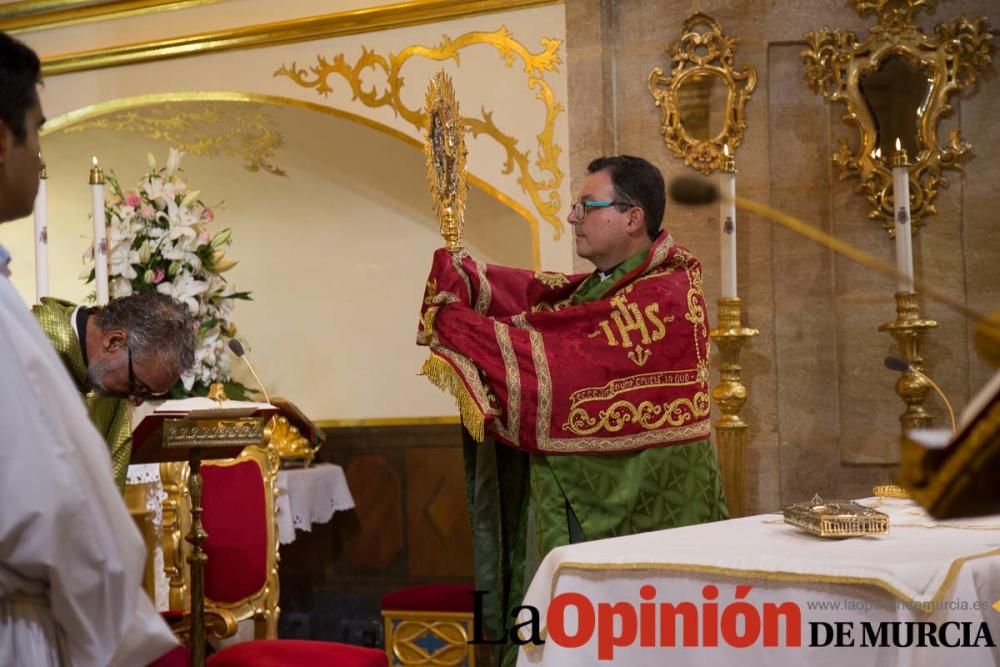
[[591, 390], [71, 558], [132, 349]]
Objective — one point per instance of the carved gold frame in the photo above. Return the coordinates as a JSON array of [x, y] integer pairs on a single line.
[[703, 50], [835, 62]]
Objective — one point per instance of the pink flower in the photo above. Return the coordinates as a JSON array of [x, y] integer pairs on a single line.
[[204, 237], [158, 276], [208, 215], [147, 212], [132, 199]]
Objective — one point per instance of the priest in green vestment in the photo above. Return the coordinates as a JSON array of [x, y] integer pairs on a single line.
[[134, 348], [585, 398]]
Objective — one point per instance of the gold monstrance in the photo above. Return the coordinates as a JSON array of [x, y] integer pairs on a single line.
[[444, 146]]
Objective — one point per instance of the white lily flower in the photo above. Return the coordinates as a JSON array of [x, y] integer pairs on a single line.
[[173, 161], [184, 288], [120, 261]]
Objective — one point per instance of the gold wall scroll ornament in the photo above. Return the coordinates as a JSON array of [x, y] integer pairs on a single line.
[[543, 190], [444, 148], [703, 101], [207, 129], [897, 83]]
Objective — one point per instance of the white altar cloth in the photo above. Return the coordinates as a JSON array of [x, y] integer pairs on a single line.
[[310, 495], [951, 567]]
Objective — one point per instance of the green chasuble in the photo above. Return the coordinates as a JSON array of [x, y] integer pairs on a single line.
[[524, 505], [109, 415]]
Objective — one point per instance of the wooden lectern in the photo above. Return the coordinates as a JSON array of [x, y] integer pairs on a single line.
[[195, 430], [959, 477]]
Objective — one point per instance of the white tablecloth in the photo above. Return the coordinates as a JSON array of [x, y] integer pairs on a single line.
[[310, 495], [953, 567]]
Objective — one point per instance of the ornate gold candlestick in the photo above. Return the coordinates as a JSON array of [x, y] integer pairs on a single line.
[[730, 395], [908, 328]]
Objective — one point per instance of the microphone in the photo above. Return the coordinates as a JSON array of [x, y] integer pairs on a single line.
[[697, 191], [694, 191], [903, 366], [237, 349]]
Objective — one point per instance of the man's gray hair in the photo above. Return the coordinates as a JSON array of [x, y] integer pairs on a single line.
[[158, 327]]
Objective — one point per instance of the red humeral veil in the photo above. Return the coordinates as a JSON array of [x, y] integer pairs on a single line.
[[623, 373]]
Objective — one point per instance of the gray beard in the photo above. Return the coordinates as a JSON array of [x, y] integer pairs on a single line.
[[96, 372]]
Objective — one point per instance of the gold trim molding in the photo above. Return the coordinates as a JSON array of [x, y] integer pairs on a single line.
[[33, 15], [67, 120], [385, 17], [543, 191], [209, 131], [704, 52], [836, 61]]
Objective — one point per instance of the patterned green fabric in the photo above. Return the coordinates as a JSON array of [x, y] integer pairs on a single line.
[[109, 415], [523, 506]]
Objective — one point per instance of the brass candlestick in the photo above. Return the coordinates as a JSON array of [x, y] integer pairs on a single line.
[[908, 328], [730, 395]]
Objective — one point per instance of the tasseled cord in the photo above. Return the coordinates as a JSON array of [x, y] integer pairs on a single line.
[[444, 377]]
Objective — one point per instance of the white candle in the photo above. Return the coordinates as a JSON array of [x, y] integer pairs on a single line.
[[727, 221], [901, 202], [41, 239], [100, 234]]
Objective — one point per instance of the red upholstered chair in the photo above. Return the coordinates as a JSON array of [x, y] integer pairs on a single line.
[[241, 574], [429, 625]]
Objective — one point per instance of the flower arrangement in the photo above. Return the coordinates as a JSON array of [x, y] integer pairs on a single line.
[[158, 238]]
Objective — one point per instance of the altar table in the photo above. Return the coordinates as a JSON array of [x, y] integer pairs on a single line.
[[762, 592], [310, 495]]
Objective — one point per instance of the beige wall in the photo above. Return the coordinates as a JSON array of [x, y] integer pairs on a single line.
[[822, 408]]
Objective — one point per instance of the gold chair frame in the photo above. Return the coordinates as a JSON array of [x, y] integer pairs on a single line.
[[262, 605], [703, 50], [835, 64]]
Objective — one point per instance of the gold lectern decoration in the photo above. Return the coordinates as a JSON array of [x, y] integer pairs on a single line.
[[836, 518], [703, 57], [444, 147], [897, 60]]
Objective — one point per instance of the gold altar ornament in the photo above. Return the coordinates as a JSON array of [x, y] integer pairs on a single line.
[[898, 83], [703, 101], [730, 394], [444, 146], [912, 386], [836, 518]]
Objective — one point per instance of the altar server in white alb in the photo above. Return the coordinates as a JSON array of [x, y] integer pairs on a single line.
[[71, 558]]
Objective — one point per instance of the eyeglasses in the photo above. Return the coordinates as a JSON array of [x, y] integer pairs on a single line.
[[581, 208], [138, 392]]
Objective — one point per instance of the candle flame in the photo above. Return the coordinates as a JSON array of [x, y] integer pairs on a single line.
[[725, 149], [94, 159], [899, 146]]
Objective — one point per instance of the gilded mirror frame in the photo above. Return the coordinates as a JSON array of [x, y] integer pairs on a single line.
[[703, 50], [835, 64]]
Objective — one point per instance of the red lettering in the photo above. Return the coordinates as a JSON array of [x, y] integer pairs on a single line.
[[647, 617], [751, 621], [710, 617], [606, 637], [555, 618], [793, 623], [668, 623]]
